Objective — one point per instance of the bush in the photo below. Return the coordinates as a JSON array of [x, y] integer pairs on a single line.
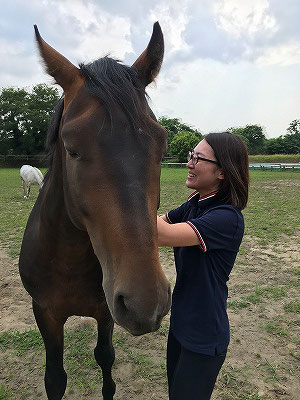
[[182, 143]]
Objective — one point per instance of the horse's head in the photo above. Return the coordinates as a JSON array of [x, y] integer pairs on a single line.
[[110, 147]]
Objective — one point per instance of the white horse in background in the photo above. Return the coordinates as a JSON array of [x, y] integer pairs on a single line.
[[30, 176]]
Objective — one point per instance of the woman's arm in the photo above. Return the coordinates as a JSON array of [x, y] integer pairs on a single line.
[[175, 235], [164, 217]]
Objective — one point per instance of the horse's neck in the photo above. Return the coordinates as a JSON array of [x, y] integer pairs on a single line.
[[55, 222], [52, 206], [40, 181]]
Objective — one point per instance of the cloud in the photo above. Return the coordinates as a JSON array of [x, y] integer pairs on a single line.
[[284, 55], [231, 31], [244, 18], [99, 32]]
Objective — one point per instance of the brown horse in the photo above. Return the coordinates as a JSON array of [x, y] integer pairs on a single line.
[[90, 245]]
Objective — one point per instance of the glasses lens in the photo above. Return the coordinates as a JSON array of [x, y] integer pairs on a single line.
[[191, 156]]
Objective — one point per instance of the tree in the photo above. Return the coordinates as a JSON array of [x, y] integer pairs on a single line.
[[182, 143], [24, 118], [275, 146], [12, 119], [239, 132], [255, 137], [39, 110], [173, 126], [294, 127], [287, 144]]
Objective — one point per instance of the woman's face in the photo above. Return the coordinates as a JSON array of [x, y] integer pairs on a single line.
[[204, 176]]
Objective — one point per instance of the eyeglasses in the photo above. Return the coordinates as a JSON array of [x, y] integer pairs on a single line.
[[195, 158]]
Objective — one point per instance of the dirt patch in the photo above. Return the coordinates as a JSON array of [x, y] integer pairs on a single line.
[[15, 303]]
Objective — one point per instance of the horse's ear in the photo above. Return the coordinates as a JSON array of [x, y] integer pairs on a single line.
[[61, 69], [149, 62]]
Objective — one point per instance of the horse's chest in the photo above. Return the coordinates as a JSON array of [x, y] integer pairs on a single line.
[[72, 289]]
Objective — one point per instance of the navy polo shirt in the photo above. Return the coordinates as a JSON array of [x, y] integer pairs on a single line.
[[199, 319]]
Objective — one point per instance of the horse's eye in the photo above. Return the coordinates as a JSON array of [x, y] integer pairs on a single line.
[[73, 154]]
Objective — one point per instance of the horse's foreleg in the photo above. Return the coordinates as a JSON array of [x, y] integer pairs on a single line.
[[24, 188], [52, 333], [105, 354], [28, 190]]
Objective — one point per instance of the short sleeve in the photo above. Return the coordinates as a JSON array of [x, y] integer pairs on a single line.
[[175, 216], [219, 228]]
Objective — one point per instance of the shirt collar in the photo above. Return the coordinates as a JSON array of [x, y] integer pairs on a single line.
[[202, 201]]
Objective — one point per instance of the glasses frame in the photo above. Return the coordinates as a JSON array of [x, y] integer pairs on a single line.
[[195, 158]]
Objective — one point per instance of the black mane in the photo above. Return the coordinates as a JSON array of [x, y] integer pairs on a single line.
[[114, 84]]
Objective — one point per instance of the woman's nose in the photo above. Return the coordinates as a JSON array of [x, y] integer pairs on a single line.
[[190, 164]]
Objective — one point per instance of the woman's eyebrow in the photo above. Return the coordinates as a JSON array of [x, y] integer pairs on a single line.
[[200, 153]]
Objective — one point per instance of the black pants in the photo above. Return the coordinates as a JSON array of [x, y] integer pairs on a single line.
[[191, 376]]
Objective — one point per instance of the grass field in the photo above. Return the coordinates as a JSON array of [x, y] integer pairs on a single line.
[[275, 158], [263, 305]]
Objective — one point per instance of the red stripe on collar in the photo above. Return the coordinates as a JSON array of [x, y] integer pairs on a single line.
[[207, 196], [193, 194]]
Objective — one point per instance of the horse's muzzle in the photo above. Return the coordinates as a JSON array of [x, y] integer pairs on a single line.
[[140, 317]]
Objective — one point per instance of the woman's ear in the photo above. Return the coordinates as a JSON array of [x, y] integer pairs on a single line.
[[220, 174]]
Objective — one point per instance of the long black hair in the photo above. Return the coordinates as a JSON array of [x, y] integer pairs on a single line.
[[232, 156]]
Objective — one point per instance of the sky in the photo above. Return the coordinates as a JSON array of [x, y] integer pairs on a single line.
[[227, 63]]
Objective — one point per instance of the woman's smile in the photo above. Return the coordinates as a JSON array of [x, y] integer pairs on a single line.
[[191, 175]]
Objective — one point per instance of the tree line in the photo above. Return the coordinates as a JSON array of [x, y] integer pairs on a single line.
[[25, 116], [182, 138]]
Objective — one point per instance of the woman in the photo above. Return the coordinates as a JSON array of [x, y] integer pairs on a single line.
[[206, 232]]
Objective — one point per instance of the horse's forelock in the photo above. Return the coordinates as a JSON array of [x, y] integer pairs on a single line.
[[114, 84], [117, 84]]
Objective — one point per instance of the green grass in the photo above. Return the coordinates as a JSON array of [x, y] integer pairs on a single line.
[[275, 158], [276, 328], [236, 304], [296, 271], [292, 306], [21, 342], [78, 354], [14, 209], [275, 293], [254, 298], [271, 212], [272, 372], [260, 295], [5, 392], [235, 384]]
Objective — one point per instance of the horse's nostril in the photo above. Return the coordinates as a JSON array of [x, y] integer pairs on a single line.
[[120, 304]]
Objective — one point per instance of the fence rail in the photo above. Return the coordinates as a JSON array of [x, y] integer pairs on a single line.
[[17, 161], [22, 156], [253, 166], [40, 160]]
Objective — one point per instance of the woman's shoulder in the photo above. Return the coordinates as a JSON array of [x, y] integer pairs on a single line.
[[224, 209], [225, 215]]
